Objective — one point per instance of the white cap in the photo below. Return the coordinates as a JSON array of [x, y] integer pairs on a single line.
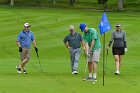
[[27, 25], [71, 27], [118, 24]]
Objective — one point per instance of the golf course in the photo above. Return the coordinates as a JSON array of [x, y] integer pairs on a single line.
[[50, 26]]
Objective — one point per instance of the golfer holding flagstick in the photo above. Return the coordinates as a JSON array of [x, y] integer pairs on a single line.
[[93, 48], [24, 39]]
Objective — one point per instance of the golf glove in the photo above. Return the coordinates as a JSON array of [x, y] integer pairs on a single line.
[[125, 49], [20, 49], [90, 51], [86, 53], [36, 49]]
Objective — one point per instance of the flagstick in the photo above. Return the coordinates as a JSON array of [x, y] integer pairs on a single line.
[[104, 55], [103, 59], [104, 26]]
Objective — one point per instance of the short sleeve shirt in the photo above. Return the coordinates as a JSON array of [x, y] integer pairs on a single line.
[[25, 38], [92, 35], [74, 40]]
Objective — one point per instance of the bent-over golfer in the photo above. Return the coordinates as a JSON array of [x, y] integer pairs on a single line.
[[73, 42], [92, 40], [24, 39]]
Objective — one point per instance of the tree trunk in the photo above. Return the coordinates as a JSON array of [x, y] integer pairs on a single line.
[[72, 2], [120, 5], [53, 1], [12, 2]]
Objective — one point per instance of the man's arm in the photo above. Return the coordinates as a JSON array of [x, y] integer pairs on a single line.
[[67, 45], [20, 48], [34, 43], [66, 42], [92, 44], [83, 45]]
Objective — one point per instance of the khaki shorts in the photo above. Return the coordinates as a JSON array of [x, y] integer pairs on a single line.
[[95, 56], [25, 54]]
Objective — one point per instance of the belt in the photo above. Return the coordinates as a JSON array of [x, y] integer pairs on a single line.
[[75, 47]]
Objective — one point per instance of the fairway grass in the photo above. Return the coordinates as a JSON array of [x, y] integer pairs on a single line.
[[50, 26]]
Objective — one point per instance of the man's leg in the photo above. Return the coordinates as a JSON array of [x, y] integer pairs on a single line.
[[22, 65], [25, 56], [95, 60], [22, 57], [90, 67], [77, 56], [72, 58], [95, 70], [26, 60]]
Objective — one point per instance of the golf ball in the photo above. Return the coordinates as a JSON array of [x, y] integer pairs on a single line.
[[84, 79], [93, 82]]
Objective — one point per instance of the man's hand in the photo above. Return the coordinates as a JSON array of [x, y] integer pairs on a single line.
[[90, 51], [36, 49], [20, 49]]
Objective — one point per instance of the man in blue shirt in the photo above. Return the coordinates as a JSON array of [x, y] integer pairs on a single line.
[[24, 40]]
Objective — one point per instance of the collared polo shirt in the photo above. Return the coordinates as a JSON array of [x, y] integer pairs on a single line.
[[25, 38], [92, 35], [74, 40]]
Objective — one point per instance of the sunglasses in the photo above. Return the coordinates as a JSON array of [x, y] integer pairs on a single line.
[[117, 26]]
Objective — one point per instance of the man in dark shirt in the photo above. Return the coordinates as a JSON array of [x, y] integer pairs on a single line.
[[73, 42]]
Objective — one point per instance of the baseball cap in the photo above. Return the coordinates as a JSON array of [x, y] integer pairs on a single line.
[[82, 27], [27, 25], [71, 27], [118, 25]]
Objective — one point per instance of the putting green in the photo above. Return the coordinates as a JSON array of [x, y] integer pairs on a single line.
[[50, 26]]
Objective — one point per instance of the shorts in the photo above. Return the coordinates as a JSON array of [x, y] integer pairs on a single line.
[[118, 51], [25, 54], [95, 56]]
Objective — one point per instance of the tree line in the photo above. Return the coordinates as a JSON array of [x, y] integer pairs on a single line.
[[72, 2]]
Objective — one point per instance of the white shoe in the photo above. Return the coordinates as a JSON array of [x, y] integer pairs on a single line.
[[75, 72], [117, 72], [18, 70]]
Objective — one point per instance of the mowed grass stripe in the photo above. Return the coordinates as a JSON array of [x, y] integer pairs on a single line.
[[54, 56]]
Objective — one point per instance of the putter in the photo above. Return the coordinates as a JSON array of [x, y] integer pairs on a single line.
[[84, 77], [86, 57]]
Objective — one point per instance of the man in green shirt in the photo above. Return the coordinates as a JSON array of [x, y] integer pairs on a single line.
[[93, 48]]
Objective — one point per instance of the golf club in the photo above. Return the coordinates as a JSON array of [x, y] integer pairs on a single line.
[[39, 61], [85, 67], [86, 57]]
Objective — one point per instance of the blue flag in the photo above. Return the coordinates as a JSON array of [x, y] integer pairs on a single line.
[[104, 25]]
